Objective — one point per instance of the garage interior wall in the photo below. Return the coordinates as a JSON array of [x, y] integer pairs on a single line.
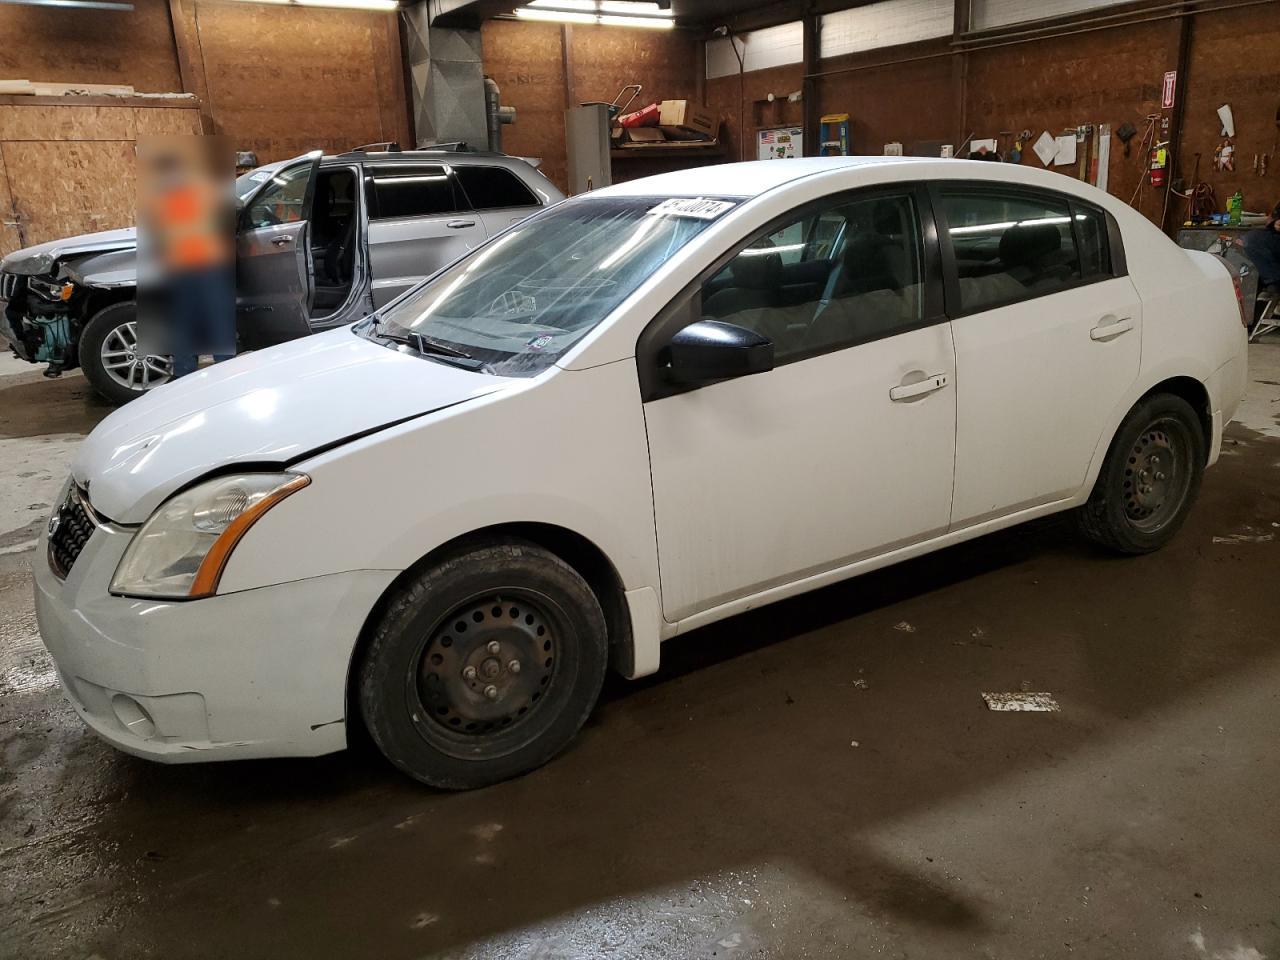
[[542, 68], [276, 80], [924, 91]]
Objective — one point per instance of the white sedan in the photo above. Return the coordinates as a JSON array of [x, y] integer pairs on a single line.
[[635, 413]]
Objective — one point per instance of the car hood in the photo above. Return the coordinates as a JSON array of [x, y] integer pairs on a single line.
[[271, 407], [33, 261]]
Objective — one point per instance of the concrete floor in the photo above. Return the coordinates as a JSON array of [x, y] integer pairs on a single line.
[[819, 778]]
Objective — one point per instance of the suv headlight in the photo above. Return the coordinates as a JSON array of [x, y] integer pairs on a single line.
[[180, 552]]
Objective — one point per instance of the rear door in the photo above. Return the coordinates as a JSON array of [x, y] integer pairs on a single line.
[[418, 223], [273, 257], [1048, 342], [498, 196]]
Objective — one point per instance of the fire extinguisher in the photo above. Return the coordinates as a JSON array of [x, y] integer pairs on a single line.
[[1159, 164]]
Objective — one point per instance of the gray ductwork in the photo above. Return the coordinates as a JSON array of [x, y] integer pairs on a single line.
[[448, 81]]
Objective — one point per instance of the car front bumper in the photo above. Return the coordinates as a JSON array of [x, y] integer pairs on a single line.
[[257, 673]]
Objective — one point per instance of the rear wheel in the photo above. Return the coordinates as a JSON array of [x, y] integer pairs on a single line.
[[484, 666], [1150, 478], [110, 359]]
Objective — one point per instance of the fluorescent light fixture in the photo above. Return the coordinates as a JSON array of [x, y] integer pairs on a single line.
[[613, 13], [653, 23], [345, 4], [556, 16], [77, 4]]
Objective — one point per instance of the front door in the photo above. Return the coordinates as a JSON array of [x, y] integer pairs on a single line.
[[274, 272], [1048, 342], [418, 223], [845, 450]]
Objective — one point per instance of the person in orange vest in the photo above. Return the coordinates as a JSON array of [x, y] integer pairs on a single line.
[[187, 219]]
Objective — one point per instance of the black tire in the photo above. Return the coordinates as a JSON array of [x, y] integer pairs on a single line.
[[89, 351], [1149, 480], [449, 730]]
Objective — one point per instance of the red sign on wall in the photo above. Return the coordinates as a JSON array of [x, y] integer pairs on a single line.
[[1170, 86]]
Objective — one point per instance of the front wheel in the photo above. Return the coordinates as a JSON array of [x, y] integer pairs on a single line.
[[110, 359], [484, 666], [1150, 478]]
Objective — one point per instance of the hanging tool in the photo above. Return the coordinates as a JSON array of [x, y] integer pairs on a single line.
[[1015, 155]]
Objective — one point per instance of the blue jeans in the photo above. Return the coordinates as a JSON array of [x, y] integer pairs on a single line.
[[203, 316]]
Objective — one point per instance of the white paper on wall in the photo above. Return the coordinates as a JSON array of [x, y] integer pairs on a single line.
[[1066, 150], [1046, 148]]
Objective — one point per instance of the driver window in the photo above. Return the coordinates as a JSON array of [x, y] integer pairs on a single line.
[[828, 279], [281, 200]]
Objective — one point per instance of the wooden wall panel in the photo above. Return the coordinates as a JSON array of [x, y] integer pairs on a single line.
[[10, 236], [757, 114], [152, 122], [525, 60], [91, 46], [59, 122], [64, 188], [1111, 76], [285, 80], [875, 98], [1235, 59]]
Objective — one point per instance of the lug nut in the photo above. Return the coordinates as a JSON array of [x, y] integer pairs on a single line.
[[491, 692], [494, 647], [1159, 476], [469, 672], [513, 666]]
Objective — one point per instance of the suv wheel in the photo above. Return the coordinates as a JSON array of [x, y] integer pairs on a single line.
[[109, 357], [1149, 480], [484, 666]]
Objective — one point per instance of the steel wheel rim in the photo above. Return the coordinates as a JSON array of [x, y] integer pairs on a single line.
[[483, 673], [1157, 475], [119, 355]]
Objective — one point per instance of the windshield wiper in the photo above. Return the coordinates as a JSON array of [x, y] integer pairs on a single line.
[[433, 348]]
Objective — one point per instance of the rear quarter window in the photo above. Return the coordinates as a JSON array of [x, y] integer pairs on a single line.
[[489, 188]]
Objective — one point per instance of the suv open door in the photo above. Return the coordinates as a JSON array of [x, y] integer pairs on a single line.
[[274, 285]]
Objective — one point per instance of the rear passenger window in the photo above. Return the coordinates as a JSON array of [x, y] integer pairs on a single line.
[[1009, 247], [838, 275], [491, 187], [1095, 250], [412, 190]]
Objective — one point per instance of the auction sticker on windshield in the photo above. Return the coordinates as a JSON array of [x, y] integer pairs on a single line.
[[700, 208]]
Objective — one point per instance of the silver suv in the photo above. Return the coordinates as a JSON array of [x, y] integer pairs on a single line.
[[321, 241]]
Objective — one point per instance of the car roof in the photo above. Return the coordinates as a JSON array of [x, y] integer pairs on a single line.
[[756, 177], [452, 156]]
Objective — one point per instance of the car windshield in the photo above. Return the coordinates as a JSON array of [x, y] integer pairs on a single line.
[[519, 302], [246, 183]]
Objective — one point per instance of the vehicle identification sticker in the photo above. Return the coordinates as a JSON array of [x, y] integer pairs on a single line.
[[700, 208]]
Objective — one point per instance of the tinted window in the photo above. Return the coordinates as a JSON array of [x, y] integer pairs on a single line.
[[281, 200], [1095, 250], [1009, 247], [491, 187], [835, 276], [412, 190]]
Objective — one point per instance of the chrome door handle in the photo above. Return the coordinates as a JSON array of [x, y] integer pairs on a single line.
[[460, 224], [905, 391], [282, 241], [1110, 327]]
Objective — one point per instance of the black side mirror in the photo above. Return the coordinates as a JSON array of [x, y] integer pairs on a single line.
[[710, 350]]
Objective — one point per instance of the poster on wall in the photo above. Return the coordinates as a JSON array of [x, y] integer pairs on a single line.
[[780, 143]]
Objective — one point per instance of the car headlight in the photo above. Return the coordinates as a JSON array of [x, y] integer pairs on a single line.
[[180, 553]]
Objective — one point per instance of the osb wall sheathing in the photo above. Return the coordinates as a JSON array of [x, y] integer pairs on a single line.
[[284, 80], [91, 46], [757, 113], [69, 169], [1236, 60], [1109, 76], [527, 61]]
